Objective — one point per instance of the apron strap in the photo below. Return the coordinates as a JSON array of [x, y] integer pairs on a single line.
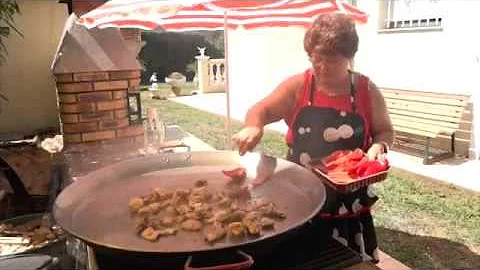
[[312, 89], [353, 94]]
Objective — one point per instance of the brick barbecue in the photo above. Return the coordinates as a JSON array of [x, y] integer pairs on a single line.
[[94, 72]]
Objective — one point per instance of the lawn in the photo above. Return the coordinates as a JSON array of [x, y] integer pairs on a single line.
[[166, 88], [421, 222]]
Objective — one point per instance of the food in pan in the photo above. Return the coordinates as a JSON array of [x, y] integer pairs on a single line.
[[31, 234], [199, 209]]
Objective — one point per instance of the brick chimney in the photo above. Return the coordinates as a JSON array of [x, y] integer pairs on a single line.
[[132, 36], [81, 7], [94, 72]]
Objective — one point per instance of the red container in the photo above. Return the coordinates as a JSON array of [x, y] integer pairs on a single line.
[[350, 187]]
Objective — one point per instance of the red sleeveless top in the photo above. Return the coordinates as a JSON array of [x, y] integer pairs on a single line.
[[343, 102]]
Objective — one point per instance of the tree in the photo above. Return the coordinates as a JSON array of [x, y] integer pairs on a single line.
[[8, 8], [168, 52]]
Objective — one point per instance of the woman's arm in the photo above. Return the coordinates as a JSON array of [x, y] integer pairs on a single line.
[[382, 129], [277, 105]]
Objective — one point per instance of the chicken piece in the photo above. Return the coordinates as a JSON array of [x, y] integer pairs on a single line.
[[203, 210], [252, 223], [183, 209], [150, 234], [267, 223], [144, 210], [51, 236], [200, 194], [253, 215], [235, 216], [150, 209], [214, 233], [140, 223], [271, 211], [168, 220], [256, 203], [38, 238], [155, 207], [167, 231], [192, 225], [171, 210], [201, 183], [234, 206], [238, 192], [42, 230], [194, 205], [181, 218], [163, 194], [216, 197], [236, 229], [221, 215], [180, 196], [150, 198], [224, 202], [135, 204], [193, 215], [253, 226], [182, 192], [165, 203], [153, 221]]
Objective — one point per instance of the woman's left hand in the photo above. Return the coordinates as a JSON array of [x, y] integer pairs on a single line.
[[376, 151]]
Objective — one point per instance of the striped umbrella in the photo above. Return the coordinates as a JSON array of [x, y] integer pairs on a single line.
[[187, 15], [191, 15]]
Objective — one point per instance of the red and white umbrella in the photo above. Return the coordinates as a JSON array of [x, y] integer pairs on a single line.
[[188, 15], [191, 15]]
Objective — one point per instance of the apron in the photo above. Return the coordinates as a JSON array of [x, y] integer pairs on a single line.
[[319, 131]]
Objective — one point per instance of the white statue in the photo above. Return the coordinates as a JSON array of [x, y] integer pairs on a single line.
[[154, 81], [153, 78], [201, 51]]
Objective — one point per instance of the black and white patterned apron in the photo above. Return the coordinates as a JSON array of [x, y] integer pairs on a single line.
[[346, 218]]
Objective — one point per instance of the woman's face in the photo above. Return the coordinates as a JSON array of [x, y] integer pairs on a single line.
[[329, 65]]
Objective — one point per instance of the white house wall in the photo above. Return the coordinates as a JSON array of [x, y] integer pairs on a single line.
[[438, 61], [259, 60]]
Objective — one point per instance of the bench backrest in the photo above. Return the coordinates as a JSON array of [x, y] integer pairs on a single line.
[[425, 113]]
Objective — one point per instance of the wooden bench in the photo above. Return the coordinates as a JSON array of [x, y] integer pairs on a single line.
[[427, 115]]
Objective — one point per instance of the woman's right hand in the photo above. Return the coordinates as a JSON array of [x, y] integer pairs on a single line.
[[247, 138]]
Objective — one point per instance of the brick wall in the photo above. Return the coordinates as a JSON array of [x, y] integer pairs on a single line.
[[131, 34], [81, 7], [94, 106]]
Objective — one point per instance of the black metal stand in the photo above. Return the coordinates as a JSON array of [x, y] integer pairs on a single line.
[[134, 116]]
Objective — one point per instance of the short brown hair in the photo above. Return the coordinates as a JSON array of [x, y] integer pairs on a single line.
[[330, 34]]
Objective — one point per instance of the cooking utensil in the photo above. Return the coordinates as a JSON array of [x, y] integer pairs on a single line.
[[95, 207]]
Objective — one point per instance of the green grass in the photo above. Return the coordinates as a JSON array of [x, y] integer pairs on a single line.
[[210, 127], [166, 88], [421, 222]]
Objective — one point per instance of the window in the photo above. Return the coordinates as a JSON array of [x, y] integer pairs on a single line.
[[414, 14]]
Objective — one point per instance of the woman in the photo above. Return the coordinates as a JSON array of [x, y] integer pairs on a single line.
[[328, 108]]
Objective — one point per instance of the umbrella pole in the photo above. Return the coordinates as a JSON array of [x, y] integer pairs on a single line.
[[228, 126]]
